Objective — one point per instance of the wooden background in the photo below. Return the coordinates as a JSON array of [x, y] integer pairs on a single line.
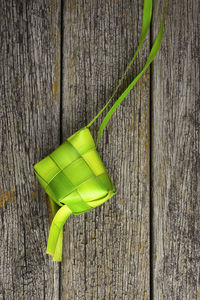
[[60, 61]]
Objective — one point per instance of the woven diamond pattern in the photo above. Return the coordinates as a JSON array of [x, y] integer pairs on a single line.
[[74, 174]]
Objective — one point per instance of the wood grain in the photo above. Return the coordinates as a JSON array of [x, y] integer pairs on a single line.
[[176, 155], [106, 251], [29, 129]]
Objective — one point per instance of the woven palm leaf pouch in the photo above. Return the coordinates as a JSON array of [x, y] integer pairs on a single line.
[[73, 175]]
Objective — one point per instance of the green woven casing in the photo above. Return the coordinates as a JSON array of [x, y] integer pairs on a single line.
[[74, 174]]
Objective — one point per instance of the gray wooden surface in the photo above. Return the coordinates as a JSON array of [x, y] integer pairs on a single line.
[[59, 63], [176, 156], [29, 129], [107, 249]]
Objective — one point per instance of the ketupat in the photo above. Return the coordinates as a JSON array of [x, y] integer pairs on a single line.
[[76, 179], [74, 175]]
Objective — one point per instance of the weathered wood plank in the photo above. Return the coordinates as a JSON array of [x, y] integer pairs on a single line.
[[29, 130], [176, 155], [106, 251]]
